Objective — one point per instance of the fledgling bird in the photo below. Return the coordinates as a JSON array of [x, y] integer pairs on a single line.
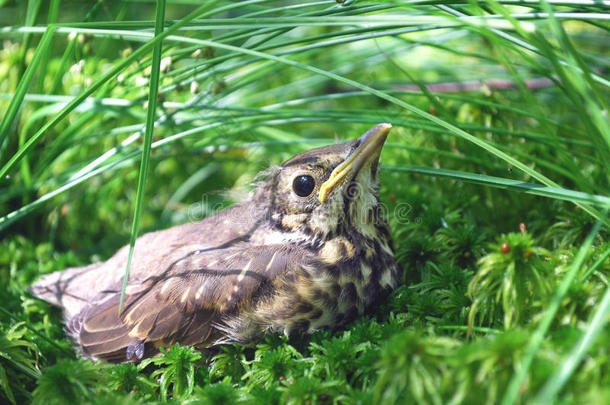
[[310, 249]]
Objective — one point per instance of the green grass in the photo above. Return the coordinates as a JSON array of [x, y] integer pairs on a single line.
[[121, 117]]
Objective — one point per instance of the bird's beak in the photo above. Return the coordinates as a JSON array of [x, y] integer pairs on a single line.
[[369, 146]]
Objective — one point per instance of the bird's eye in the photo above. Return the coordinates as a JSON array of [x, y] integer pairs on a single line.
[[303, 185]]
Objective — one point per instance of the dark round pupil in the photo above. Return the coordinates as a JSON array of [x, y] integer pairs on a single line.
[[303, 185]]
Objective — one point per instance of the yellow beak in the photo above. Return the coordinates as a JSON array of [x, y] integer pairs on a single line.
[[369, 145]]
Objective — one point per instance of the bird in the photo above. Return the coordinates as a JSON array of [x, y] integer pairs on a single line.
[[309, 249]]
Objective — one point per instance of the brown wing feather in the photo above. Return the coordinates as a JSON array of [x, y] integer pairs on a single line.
[[73, 288], [184, 303]]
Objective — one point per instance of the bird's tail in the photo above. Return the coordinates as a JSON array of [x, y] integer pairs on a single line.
[[66, 288]]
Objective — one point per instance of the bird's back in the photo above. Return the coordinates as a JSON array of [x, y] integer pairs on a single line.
[[72, 288]]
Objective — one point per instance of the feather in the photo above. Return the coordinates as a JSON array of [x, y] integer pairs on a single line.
[[183, 303]]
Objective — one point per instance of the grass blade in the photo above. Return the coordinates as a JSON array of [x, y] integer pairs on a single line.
[[24, 84], [96, 85], [148, 135], [508, 184], [549, 391], [512, 391]]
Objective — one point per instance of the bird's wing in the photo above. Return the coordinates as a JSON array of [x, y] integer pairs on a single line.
[[73, 288], [183, 303]]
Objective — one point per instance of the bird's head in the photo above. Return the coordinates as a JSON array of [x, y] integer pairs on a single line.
[[330, 190]]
